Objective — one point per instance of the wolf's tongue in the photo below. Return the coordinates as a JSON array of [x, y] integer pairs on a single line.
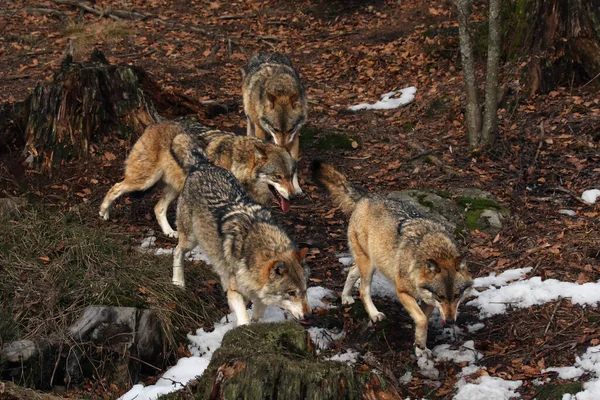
[[285, 204]]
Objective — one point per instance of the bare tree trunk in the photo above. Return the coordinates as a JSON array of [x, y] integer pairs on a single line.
[[490, 118], [473, 110]]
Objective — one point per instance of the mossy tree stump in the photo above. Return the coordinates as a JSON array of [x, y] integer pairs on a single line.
[[277, 361]]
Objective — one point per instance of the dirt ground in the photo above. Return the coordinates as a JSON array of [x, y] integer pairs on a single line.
[[349, 52]]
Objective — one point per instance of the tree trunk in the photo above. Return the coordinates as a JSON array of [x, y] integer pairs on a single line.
[[490, 118], [473, 109], [560, 38]]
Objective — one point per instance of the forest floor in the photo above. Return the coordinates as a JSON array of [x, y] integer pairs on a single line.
[[349, 52]]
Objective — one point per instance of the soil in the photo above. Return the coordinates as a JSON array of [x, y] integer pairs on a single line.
[[347, 53]]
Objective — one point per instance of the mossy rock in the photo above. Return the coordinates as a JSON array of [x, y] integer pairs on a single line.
[[278, 361], [557, 390]]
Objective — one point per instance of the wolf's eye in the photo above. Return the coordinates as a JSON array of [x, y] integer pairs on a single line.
[[278, 177], [291, 293]]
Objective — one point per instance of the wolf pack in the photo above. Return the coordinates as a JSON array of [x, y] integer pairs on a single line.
[[225, 184]]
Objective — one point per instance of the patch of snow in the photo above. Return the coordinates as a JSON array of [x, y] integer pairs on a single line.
[[466, 352], [590, 195], [534, 291], [316, 294], [588, 363], [475, 327], [427, 366], [502, 279], [487, 388], [567, 212], [388, 102], [346, 260], [148, 242], [349, 357], [322, 337], [406, 377]]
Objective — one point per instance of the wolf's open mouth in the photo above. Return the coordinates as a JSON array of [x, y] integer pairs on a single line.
[[282, 201]]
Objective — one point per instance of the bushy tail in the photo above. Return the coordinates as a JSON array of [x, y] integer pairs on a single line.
[[186, 151], [345, 195]]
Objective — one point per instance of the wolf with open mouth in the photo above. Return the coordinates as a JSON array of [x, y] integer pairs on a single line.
[[265, 170]]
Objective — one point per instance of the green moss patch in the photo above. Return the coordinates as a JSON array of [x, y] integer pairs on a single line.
[[337, 141], [476, 203], [556, 391]]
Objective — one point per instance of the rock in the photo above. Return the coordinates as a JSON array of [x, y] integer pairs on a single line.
[[278, 361], [10, 207], [460, 210]]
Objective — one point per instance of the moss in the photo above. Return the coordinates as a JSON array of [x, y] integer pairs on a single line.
[[409, 126], [472, 219], [443, 194], [308, 135], [339, 141], [556, 391], [422, 201], [476, 203]]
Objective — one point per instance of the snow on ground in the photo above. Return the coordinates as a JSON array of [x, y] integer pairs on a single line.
[[349, 357], [487, 388], [591, 195], [388, 102], [588, 363]]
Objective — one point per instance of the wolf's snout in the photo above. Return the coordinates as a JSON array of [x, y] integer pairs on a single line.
[[449, 321]]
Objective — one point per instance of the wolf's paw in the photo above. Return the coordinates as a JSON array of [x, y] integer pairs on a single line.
[[171, 233], [378, 317], [179, 283], [104, 214], [347, 300], [423, 352]]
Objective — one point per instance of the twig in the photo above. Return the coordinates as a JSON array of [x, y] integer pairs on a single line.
[[591, 80], [425, 153], [237, 16], [17, 77], [552, 316], [327, 35], [213, 53], [542, 134], [572, 194], [32, 11]]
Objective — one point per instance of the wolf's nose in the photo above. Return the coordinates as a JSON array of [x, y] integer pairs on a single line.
[[291, 196], [450, 322]]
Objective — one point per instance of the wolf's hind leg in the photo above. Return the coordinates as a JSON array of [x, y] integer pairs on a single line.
[[353, 275], [160, 210], [366, 276], [133, 182], [183, 246]]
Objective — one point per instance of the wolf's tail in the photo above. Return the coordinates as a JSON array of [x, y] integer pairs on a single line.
[[186, 151], [345, 195]]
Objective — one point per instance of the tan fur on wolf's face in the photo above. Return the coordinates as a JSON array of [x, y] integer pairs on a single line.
[[282, 118], [283, 283], [443, 283]]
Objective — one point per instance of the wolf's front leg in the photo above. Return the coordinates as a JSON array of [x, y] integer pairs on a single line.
[[178, 278], [237, 304], [418, 316], [258, 310]]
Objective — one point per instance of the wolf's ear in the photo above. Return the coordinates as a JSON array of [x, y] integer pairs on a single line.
[[460, 262], [271, 97], [433, 266], [260, 150], [300, 254], [278, 269]]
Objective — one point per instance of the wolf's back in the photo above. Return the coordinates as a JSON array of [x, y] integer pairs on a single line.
[[186, 151], [345, 195]]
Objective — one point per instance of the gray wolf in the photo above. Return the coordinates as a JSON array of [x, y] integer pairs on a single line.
[[274, 100], [266, 171], [415, 253], [254, 258]]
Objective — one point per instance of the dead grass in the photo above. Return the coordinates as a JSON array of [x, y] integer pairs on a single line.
[[54, 265]]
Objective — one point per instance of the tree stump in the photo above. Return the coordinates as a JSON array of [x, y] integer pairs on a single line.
[[87, 103], [277, 361]]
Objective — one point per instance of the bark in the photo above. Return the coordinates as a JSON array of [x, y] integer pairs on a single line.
[[490, 118], [559, 38], [473, 109]]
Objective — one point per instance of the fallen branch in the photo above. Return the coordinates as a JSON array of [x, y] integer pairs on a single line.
[[423, 152], [572, 194], [32, 11], [237, 16]]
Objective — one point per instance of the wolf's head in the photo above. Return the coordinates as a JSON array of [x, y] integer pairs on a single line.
[[283, 110], [276, 173], [283, 281], [444, 282]]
